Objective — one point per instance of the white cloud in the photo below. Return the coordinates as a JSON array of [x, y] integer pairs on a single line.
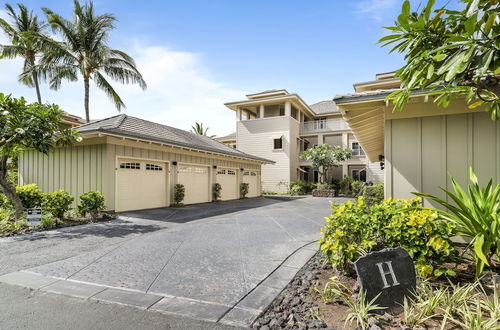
[[180, 91], [376, 9]]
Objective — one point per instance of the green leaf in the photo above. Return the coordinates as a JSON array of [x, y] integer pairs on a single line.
[[439, 57], [470, 24], [430, 71], [478, 248], [472, 8], [489, 22], [405, 9], [476, 104]]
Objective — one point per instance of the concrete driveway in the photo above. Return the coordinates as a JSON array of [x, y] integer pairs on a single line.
[[222, 262]]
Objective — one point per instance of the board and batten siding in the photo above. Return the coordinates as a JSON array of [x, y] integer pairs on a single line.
[[421, 153], [255, 137], [79, 169], [76, 169]]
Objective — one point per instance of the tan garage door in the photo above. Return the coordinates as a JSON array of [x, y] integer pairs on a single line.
[[228, 180], [195, 181], [141, 185], [251, 177]]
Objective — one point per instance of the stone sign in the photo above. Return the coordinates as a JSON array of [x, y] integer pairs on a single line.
[[34, 216], [390, 273]]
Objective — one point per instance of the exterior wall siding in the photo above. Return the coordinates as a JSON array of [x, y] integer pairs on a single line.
[[77, 169], [421, 153], [92, 166], [255, 137]]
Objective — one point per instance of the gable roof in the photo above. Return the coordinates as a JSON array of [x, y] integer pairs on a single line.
[[324, 107], [132, 127], [231, 136]]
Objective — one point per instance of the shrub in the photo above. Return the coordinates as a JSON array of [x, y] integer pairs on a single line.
[[91, 202], [477, 216], [4, 201], [48, 221], [30, 195], [301, 187], [217, 191], [244, 190], [58, 203], [345, 185], [179, 193], [356, 187], [374, 194], [355, 228]]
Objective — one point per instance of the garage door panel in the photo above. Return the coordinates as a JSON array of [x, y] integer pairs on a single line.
[[196, 183], [252, 178], [141, 185], [228, 179]]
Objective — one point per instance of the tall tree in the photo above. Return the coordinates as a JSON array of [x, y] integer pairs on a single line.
[[200, 130], [451, 53], [84, 51], [323, 157], [22, 32], [27, 126]]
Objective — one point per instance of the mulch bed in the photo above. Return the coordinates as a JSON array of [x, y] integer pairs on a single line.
[[299, 306], [105, 217]]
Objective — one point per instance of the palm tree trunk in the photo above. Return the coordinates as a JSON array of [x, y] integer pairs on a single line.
[[37, 85], [86, 101], [9, 190]]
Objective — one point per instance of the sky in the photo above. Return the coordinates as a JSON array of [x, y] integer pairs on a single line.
[[195, 55]]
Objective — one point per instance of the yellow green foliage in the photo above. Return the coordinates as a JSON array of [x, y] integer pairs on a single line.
[[355, 228]]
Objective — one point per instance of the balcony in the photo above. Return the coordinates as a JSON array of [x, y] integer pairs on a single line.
[[321, 126]]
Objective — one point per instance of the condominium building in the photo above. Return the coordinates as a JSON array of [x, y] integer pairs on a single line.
[[279, 125]]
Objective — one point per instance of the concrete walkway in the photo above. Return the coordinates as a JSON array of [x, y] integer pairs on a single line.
[[221, 262]]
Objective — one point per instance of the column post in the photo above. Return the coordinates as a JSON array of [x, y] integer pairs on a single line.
[[288, 108], [261, 111]]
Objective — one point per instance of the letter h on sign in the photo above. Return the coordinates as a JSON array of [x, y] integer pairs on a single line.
[[384, 274]]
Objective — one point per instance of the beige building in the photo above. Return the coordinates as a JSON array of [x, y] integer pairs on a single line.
[[136, 163], [278, 125], [423, 144]]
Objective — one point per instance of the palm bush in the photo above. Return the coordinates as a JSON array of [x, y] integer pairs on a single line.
[[476, 213]]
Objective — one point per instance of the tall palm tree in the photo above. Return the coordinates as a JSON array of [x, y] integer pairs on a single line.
[[84, 51], [23, 32], [200, 130]]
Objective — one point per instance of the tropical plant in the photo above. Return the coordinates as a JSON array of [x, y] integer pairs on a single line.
[[244, 190], [179, 193], [323, 157], [301, 187], [373, 194], [84, 51], [360, 309], [30, 195], [345, 184], [22, 32], [200, 130], [356, 187], [355, 228], [91, 202], [58, 203], [27, 126], [476, 213], [217, 191], [450, 53]]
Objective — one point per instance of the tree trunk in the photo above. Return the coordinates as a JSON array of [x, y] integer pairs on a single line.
[[37, 85], [9, 190], [86, 100]]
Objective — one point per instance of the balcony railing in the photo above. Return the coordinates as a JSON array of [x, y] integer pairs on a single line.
[[319, 126]]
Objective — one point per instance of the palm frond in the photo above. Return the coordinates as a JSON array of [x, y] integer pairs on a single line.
[[105, 86]]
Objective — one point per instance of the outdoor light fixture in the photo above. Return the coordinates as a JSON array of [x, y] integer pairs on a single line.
[[215, 166], [381, 158], [242, 169], [382, 165], [174, 163]]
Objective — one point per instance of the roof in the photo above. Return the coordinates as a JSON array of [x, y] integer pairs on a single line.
[[132, 127], [362, 96], [324, 107], [231, 136]]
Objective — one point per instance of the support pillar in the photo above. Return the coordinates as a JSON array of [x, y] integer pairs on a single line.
[[288, 108], [261, 111]]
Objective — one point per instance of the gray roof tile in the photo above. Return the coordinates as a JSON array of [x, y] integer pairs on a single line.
[[129, 126], [324, 107]]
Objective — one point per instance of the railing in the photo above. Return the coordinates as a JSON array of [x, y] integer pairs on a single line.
[[323, 126]]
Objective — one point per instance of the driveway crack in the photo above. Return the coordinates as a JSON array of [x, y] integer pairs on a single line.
[[238, 227], [165, 265]]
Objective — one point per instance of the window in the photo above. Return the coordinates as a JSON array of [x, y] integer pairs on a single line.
[[132, 166], [357, 150], [278, 143], [253, 174], [153, 167], [320, 123], [231, 172], [221, 172], [248, 173], [359, 175]]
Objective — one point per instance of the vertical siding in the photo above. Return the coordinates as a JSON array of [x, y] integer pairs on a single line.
[[65, 168], [424, 152]]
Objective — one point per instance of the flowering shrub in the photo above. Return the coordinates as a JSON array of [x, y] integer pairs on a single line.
[[355, 228]]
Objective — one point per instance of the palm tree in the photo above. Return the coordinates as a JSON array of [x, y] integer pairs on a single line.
[[22, 32], [84, 51], [200, 130]]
